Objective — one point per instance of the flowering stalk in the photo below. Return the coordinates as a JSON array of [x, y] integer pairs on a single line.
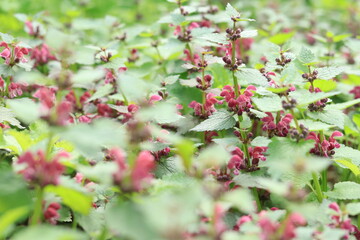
[[324, 172], [318, 192], [36, 217]]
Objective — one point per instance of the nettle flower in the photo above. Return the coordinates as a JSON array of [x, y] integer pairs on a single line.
[[138, 176], [325, 148], [271, 229], [15, 90], [281, 128], [41, 54], [51, 213], [238, 160], [141, 173], [356, 92], [13, 55], [342, 221], [206, 109], [41, 171], [240, 104]]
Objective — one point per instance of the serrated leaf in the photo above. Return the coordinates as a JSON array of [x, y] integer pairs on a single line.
[[344, 105], [327, 73], [215, 38], [232, 12], [304, 97], [251, 76], [330, 116], [101, 92], [7, 115], [344, 191], [345, 152], [306, 55], [220, 120], [260, 141], [268, 103], [314, 125], [281, 38], [249, 33]]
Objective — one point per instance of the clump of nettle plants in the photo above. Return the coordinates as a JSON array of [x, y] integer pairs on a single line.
[[196, 127]]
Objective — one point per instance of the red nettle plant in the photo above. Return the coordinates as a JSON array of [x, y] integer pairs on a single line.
[[204, 124]]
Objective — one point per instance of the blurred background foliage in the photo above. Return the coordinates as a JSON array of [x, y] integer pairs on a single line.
[[148, 11]]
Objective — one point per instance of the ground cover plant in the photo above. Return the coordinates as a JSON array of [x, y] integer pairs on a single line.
[[180, 120]]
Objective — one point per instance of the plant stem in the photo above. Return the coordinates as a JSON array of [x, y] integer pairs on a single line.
[[257, 199], [319, 194], [36, 217], [49, 146], [324, 172], [190, 53]]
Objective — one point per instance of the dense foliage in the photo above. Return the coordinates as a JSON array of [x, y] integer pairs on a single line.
[[181, 120]]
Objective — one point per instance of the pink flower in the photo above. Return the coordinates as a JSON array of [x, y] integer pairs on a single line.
[[63, 111], [204, 111], [2, 83], [219, 224], [14, 90], [326, 147], [29, 27], [280, 129], [46, 97], [291, 223], [51, 214], [13, 58], [40, 170], [240, 104], [356, 92], [141, 172], [241, 221], [41, 54], [237, 161]]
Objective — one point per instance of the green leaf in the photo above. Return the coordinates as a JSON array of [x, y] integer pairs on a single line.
[[327, 73], [344, 105], [249, 33], [7, 115], [353, 208], [220, 120], [185, 149], [251, 76], [314, 125], [215, 38], [14, 192], [306, 55], [345, 191], [126, 219], [281, 38], [349, 165], [11, 217], [232, 12], [324, 85], [304, 97], [245, 205], [76, 200], [268, 103], [90, 139], [345, 152], [47, 232], [330, 116], [260, 141], [25, 109], [101, 92]]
